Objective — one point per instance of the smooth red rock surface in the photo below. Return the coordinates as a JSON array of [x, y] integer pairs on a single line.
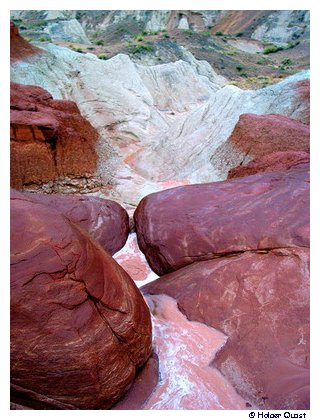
[[48, 138], [142, 388], [105, 220], [278, 161], [79, 326], [182, 225], [19, 47], [261, 302]]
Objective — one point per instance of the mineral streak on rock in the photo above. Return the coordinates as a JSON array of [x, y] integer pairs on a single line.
[[205, 221], [105, 220], [79, 326]]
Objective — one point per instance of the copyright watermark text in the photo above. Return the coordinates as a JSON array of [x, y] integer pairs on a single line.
[[266, 415]]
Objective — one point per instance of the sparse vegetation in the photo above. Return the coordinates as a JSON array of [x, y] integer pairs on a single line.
[[78, 50], [102, 56], [206, 34], [140, 48], [100, 42], [272, 49], [287, 62]]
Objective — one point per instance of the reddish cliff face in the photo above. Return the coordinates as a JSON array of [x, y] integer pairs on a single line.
[[79, 326], [49, 138], [19, 47]]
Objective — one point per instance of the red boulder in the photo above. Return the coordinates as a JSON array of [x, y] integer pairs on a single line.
[[79, 326], [105, 220], [261, 302], [182, 225]]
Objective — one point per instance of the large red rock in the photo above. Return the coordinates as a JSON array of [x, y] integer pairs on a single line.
[[278, 161], [19, 47], [182, 225], [79, 326], [259, 135], [261, 302], [49, 138], [105, 220]]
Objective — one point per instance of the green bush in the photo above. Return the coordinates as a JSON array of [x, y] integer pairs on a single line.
[[206, 34], [219, 33], [239, 67], [102, 56], [166, 36], [79, 50], [272, 49], [239, 34], [136, 49], [100, 42], [287, 62]]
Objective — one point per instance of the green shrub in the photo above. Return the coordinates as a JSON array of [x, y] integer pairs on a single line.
[[239, 67], [166, 36], [100, 42], [239, 34], [102, 56], [206, 34], [219, 33], [261, 62], [140, 48], [42, 39], [79, 50], [287, 62], [272, 49]]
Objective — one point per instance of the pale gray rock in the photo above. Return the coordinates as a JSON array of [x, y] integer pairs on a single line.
[[283, 27], [67, 30], [157, 124]]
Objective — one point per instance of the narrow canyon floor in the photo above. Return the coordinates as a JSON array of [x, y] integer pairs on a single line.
[[185, 349]]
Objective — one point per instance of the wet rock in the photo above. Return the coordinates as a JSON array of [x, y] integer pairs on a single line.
[[49, 138], [79, 326], [261, 302], [105, 220], [182, 225], [278, 161]]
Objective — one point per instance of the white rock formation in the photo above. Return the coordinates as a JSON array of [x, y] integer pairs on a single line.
[[157, 123], [67, 30]]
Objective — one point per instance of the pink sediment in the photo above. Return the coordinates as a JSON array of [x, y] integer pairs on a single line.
[[133, 261], [185, 350], [173, 183]]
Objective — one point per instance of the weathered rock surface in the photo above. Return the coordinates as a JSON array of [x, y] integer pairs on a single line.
[[261, 302], [150, 134], [105, 220], [278, 161], [49, 138], [258, 135], [67, 30], [182, 225], [79, 326]]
